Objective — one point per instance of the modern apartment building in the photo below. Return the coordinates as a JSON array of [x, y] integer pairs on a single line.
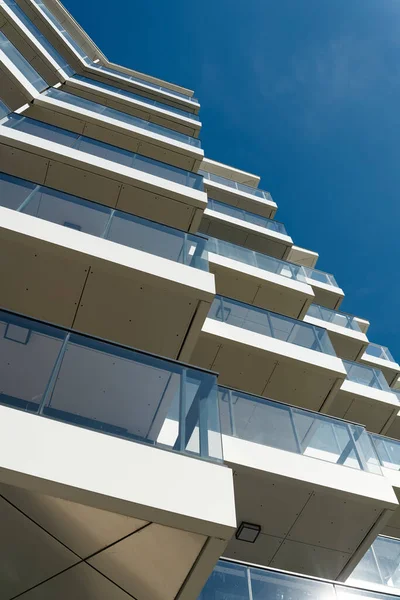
[[185, 412]]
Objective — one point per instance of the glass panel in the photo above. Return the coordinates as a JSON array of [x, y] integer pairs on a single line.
[[277, 425], [96, 219], [103, 150], [28, 353], [244, 215], [108, 388], [320, 276], [13, 191], [331, 316], [120, 116], [388, 451], [228, 581], [365, 375], [116, 90], [268, 585], [255, 259], [40, 38], [238, 186], [4, 110], [379, 352], [22, 64], [271, 324]]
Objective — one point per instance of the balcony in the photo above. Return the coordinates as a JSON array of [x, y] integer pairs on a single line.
[[258, 279], [380, 357], [344, 332], [84, 265], [232, 580], [21, 83], [101, 172], [237, 194], [80, 421], [379, 570], [302, 256], [365, 397], [131, 103], [58, 34], [325, 287], [33, 45], [267, 354], [108, 125], [246, 229], [309, 481], [388, 452]]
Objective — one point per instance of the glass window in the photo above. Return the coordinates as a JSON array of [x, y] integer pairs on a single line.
[[228, 581]]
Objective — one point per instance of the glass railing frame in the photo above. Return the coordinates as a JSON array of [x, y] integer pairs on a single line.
[[269, 223], [218, 299], [291, 408], [241, 187], [388, 357], [134, 156], [351, 320], [376, 436], [381, 381], [94, 342], [147, 126], [199, 258]]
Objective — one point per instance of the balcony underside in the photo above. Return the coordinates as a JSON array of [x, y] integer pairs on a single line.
[[236, 231], [393, 430], [302, 256], [100, 180], [392, 528], [348, 344], [316, 518], [266, 366], [111, 131], [259, 287], [80, 524], [13, 93], [73, 279], [244, 200], [132, 107], [326, 295], [373, 408]]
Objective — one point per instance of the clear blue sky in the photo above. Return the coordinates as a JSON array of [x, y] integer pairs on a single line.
[[305, 93]]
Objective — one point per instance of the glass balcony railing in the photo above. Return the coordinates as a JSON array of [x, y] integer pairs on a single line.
[[331, 316], [376, 351], [387, 450], [271, 324], [4, 110], [232, 580], [21, 64], [68, 37], [256, 259], [103, 150], [108, 388], [40, 38], [237, 186], [320, 276], [132, 96], [244, 215], [102, 221], [106, 111], [297, 430], [380, 565], [366, 376]]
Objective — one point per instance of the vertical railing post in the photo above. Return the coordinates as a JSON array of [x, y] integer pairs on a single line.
[[203, 426], [54, 374], [108, 224], [296, 437], [182, 412], [231, 415], [28, 198]]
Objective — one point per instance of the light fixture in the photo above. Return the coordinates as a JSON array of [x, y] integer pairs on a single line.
[[248, 532]]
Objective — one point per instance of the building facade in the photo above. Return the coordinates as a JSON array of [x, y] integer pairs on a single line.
[[185, 412]]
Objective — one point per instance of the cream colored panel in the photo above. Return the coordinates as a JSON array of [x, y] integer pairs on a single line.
[[310, 560], [111, 136], [83, 529], [294, 384], [83, 183], [370, 413], [125, 310], [153, 563], [152, 206], [261, 552], [167, 155], [205, 352], [28, 555], [283, 301], [234, 285], [266, 245], [342, 522], [39, 282], [23, 164], [273, 504], [57, 118], [82, 582]]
